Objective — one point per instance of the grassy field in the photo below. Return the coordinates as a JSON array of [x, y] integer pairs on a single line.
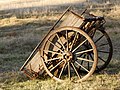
[[19, 34]]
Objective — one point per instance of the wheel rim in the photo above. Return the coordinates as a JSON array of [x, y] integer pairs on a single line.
[[63, 52]]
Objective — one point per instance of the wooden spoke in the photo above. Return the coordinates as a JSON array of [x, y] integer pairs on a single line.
[[69, 70], [103, 51], [62, 70], [97, 67], [79, 45], [85, 59], [55, 45], [84, 51], [101, 59], [82, 66], [103, 45], [98, 57], [56, 65], [75, 70], [91, 57], [46, 54], [55, 52], [67, 40], [82, 61], [60, 40], [88, 66], [99, 38], [88, 62], [53, 59], [73, 41]]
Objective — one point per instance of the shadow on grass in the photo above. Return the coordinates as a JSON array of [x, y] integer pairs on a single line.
[[16, 44]]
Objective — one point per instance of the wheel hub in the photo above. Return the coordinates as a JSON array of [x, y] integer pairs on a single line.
[[68, 56]]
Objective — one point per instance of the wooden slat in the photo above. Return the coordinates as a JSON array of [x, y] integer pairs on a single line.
[[34, 63], [78, 23], [72, 20]]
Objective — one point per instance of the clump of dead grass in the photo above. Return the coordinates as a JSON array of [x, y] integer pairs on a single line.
[[115, 12], [97, 82]]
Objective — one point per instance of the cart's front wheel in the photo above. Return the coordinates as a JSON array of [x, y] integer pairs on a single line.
[[64, 54]]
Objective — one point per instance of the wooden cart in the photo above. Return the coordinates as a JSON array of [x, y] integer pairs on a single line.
[[75, 47]]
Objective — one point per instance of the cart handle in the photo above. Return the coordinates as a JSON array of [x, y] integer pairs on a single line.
[[84, 11]]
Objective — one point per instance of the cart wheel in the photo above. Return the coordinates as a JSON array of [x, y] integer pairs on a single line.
[[104, 47], [63, 52]]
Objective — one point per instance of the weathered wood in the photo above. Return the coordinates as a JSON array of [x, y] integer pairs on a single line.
[[72, 19], [35, 63]]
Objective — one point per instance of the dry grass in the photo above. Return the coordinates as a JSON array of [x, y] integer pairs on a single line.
[[35, 3], [36, 9], [18, 39], [97, 82], [115, 12]]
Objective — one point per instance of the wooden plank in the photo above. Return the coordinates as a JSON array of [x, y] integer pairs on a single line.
[[35, 63], [66, 20], [78, 23], [72, 20]]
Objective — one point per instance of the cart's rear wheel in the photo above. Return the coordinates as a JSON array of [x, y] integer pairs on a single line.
[[63, 52], [104, 47]]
